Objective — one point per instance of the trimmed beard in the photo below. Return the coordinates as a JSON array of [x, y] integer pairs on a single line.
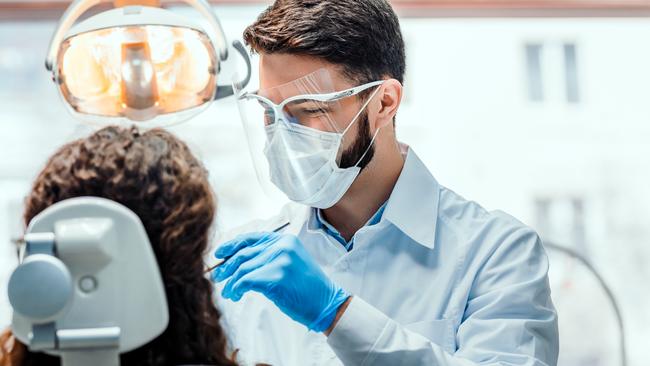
[[350, 157]]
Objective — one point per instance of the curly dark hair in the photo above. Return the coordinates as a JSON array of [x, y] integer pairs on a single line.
[[156, 176]]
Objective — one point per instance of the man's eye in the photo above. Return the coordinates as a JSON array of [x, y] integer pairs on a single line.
[[315, 111]]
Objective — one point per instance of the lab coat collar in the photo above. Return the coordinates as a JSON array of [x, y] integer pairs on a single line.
[[413, 204]]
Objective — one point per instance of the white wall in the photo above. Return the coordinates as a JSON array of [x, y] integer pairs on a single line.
[[469, 117]]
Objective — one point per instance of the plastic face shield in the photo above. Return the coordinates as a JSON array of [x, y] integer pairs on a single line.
[[298, 102], [308, 103]]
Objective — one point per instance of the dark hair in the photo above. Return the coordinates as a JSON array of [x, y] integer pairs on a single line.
[[361, 36], [156, 176]]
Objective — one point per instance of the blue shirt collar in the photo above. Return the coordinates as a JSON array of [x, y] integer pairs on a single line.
[[321, 223]]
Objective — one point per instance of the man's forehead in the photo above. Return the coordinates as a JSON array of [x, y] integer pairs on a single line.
[[287, 71], [318, 82]]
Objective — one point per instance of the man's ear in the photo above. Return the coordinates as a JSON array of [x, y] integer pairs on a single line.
[[387, 102]]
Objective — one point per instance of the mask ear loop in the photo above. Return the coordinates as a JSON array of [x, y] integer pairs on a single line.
[[365, 105], [369, 146]]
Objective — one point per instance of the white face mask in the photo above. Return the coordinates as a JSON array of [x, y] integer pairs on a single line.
[[303, 163]]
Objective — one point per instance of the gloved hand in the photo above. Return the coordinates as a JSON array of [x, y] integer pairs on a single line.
[[278, 266]]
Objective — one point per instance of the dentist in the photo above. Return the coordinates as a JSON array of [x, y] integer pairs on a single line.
[[379, 264]]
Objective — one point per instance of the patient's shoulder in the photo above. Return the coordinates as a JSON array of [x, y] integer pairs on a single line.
[[12, 352]]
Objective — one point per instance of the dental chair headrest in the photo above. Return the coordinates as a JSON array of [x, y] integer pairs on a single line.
[[89, 286]]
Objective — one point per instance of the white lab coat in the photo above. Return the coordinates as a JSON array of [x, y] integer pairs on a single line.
[[438, 281]]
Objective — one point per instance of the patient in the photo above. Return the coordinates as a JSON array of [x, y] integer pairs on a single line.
[[156, 176]]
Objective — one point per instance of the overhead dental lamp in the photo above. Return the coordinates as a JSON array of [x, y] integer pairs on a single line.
[[139, 63]]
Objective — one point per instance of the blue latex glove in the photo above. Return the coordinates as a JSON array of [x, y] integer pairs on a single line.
[[278, 266]]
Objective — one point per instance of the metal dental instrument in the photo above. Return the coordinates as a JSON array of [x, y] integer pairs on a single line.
[[278, 229]]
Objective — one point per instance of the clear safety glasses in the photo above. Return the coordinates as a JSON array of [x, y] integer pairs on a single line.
[[309, 110]]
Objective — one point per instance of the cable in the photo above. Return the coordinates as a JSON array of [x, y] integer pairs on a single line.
[[608, 291]]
